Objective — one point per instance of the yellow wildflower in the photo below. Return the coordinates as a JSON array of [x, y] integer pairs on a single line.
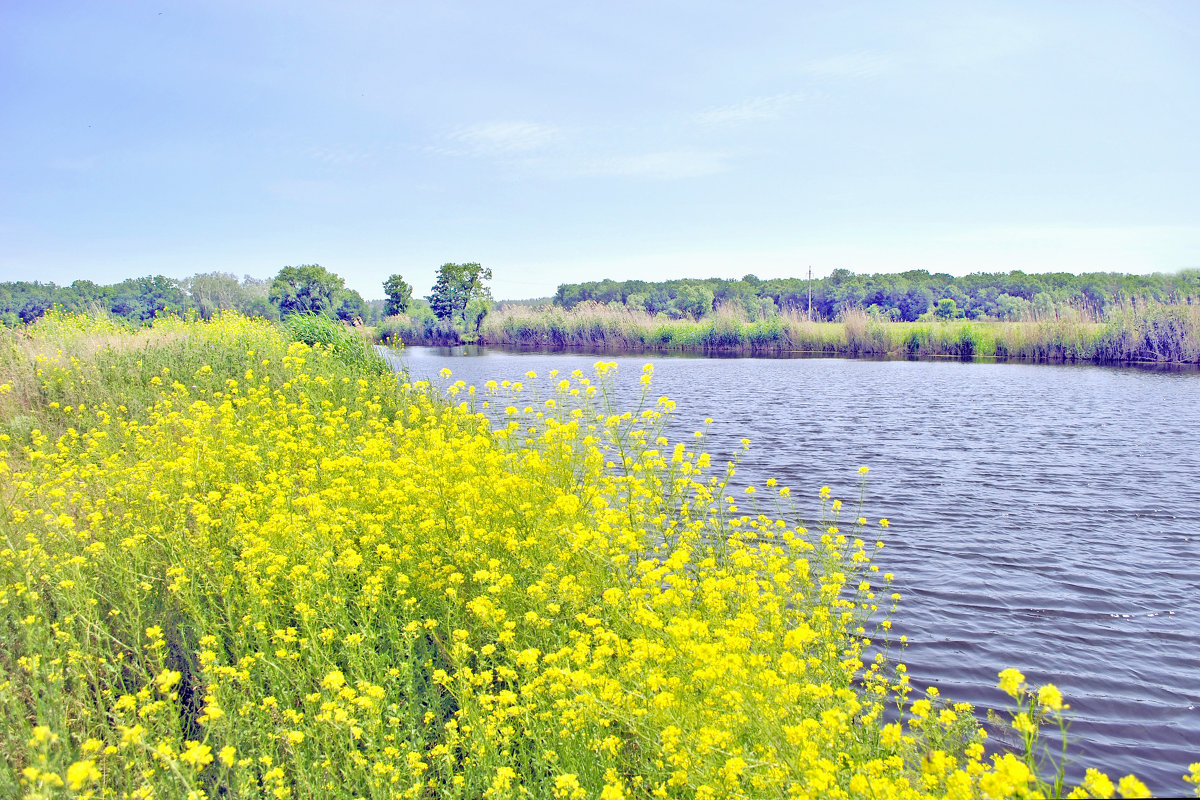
[[1011, 681], [1049, 697], [1129, 786], [197, 754], [81, 773]]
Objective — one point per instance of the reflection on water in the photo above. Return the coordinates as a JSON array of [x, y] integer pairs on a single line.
[[1044, 517]]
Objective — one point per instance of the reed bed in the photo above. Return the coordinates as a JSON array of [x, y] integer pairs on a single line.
[[250, 568], [1159, 334]]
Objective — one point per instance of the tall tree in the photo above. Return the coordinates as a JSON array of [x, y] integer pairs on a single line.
[[306, 289], [457, 285], [348, 306], [213, 292], [399, 295], [694, 299], [145, 298]]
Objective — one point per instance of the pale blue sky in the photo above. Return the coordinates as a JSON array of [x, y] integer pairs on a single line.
[[559, 142]]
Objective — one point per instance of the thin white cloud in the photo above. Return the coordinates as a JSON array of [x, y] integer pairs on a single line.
[[855, 64], [664, 165], [752, 110], [499, 137]]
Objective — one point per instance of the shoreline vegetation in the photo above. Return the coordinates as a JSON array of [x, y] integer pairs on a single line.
[[237, 565], [1103, 318], [1162, 334]]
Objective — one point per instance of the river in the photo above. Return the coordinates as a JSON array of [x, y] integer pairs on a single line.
[[1043, 517]]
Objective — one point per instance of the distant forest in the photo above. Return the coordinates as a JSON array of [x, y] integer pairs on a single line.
[[141, 299], [905, 296]]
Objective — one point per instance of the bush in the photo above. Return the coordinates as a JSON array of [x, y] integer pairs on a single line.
[[397, 330], [344, 342]]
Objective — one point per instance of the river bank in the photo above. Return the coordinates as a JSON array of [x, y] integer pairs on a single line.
[[1168, 334]]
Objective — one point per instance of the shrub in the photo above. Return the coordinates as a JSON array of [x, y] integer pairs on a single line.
[[347, 344]]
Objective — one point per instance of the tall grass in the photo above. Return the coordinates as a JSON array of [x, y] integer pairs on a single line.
[[1154, 334], [277, 574], [345, 342], [69, 359], [402, 329]]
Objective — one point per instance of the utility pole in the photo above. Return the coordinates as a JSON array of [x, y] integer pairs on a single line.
[[810, 294]]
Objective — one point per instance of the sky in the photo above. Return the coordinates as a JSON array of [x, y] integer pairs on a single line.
[[563, 142]]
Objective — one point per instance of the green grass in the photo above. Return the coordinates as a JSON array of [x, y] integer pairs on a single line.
[[345, 342]]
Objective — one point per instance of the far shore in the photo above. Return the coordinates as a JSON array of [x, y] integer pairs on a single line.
[[1166, 335]]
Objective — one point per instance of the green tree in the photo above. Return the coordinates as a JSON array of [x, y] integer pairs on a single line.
[[457, 285], [399, 295], [306, 289], [1042, 306], [695, 300], [946, 308], [348, 306], [914, 303], [658, 301], [1012, 308], [145, 298], [477, 309], [219, 291]]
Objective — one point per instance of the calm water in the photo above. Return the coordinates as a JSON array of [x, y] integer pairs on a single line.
[[1043, 517]]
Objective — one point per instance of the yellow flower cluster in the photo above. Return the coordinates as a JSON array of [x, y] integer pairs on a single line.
[[285, 579]]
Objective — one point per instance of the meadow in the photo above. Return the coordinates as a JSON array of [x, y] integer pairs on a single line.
[[1158, 334], [239, 565]]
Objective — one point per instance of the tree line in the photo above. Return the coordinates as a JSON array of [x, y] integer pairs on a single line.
[[459, 299], [905, 296], [142, 299]]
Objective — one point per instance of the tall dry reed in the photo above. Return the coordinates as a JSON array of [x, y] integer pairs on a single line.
[[1163, 334]]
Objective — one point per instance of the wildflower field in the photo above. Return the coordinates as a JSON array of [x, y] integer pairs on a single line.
[[237, 566]]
